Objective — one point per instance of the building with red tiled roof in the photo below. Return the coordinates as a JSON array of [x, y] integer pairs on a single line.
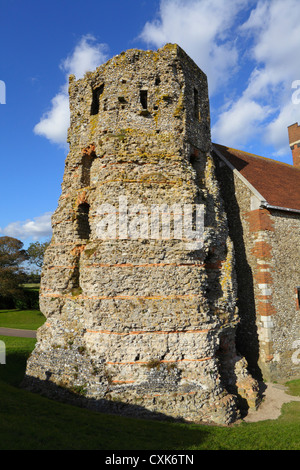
[[262, 201]]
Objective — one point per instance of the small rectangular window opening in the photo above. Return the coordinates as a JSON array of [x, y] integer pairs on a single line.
[[97, 92], [144, 98], [298, 296], [83, 225], [196, 104]]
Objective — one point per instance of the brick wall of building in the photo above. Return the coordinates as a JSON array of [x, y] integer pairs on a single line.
[[267, 251], [286, 277]]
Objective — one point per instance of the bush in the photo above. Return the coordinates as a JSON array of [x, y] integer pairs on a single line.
[[7, 302], [28, 299]]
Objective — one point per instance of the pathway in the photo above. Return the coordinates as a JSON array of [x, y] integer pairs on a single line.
[[274, 397], [16, 332]]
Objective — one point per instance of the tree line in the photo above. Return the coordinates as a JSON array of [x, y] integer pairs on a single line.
[[14, 275]]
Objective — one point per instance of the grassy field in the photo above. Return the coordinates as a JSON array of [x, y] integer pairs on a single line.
[[32, 422], [21, 319]]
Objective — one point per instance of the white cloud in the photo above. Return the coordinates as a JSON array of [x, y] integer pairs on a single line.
[[274, 30], [54, 124], [86, 56], [276, 131], [203, 30], [36, 229], [225, 37], [240, 122]]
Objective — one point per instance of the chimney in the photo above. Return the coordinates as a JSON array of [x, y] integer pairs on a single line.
[[294, 139]]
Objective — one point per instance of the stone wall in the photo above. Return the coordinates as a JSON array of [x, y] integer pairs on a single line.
[[142, 324], [267, 251], [237, 200], [286, 278]]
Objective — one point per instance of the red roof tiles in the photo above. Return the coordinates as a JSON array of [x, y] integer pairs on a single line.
[[277, 182]]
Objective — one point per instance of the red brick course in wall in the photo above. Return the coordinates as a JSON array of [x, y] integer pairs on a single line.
[[260, 228], [265, 308], [263, 277], [260, 221], [262, 250]]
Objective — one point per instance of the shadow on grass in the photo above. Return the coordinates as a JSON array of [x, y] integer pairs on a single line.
[[64, 422], [52, 391], [30, 421], [16, 354]]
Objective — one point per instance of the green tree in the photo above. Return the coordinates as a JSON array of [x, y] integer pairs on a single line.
[[36, 252], [12, 275]]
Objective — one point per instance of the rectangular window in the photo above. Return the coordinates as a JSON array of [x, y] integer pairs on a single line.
[[83, 224], [298, 297], [144, 98], [196, 104], [97, 92]]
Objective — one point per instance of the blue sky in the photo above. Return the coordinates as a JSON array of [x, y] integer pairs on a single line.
[[248, 49]]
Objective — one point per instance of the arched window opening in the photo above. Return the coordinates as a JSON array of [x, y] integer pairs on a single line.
[[83, 224]]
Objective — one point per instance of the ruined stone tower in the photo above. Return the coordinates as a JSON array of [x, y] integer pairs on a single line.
[[140, 325]]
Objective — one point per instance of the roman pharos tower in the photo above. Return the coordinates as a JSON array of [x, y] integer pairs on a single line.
[[137, 322]]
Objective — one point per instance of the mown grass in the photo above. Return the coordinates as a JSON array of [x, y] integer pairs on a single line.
[[21, 319], [32, 422], [294, 387], [33, 286]]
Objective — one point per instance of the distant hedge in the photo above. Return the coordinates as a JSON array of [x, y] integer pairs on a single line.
[[28, 300]]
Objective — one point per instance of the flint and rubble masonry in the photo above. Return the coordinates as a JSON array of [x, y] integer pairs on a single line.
[[267, 251], [137, 326]]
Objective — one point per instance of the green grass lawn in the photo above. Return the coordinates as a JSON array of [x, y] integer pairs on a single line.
[[23, 319], [33, 286], [294, 387], [32, 422]]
